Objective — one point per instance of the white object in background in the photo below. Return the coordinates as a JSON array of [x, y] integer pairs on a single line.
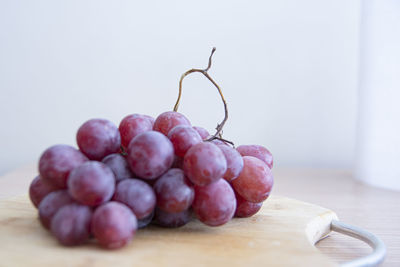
[[378, 140]]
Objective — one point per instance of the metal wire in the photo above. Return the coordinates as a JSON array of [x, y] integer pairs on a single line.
[[379, 249]]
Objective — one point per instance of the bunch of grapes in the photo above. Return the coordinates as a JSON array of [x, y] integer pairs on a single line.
[[161, 171]]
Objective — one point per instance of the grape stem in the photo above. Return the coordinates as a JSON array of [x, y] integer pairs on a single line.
[[220, 126], [123, 151]]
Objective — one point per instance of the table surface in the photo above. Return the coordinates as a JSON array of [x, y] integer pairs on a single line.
[[373, 209]]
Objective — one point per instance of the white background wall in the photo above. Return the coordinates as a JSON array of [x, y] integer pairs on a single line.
[[288, 70]]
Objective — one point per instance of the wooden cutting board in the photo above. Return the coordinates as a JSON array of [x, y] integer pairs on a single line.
[[283, 233]]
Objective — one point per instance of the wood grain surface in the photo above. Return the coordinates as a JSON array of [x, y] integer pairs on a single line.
[[373, 209], [281, 234]]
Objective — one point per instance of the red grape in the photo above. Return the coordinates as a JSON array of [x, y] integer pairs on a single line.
[[202, 132], [214, 204], [113, 225], [39, 189], [204, 163], [255, 181], [183, 137], [118, 165], [219, 142], [174, 192], [172, 220], [142, 223], [137, 195], [98, 138], [150, 154], [56, 163], [71, 224], [51, 204], [245, 208], [151, 119], [234, 162], [168, 120], [133, 125], [92, 183], [257, 151]]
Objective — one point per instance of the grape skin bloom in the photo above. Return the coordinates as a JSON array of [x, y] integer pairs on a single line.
[[204, 163], [92, 183], [168, 120], [118, 165], [183, 137], [71, 224], [214, 204], [137, 195], [39, 189], [257, 151], [133, 125], [150, 154], [245, 208], [234, 162], [255, 181], [51, 204], [57, 162], [202, 132], [98, 138], [113, 225], [174, 191]]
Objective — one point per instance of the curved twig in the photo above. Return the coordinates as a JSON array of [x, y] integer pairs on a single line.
[[220, 126]]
